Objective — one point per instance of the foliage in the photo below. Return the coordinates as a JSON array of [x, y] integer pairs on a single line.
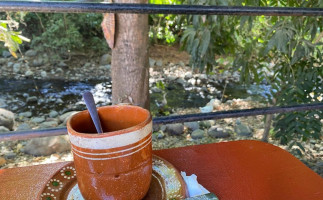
[[282, 51], [60, 34], [207, 36], [12, 39], [166, 28], [302, 86]]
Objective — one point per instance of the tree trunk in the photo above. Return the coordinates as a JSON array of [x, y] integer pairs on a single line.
[[268, 121], [267, 128], [130, 68]]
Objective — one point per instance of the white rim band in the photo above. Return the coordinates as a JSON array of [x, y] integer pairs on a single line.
[[114, 152], [111, 141], [109, 158]]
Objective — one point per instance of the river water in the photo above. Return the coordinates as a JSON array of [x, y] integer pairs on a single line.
[[41, 96]]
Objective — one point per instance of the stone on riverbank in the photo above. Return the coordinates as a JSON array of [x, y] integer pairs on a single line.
[[3, 129], [63, 118], [32, 99], [48, 124], [197, 134], [175, 129], [6, 54], [3, 61], [218, 132], [25, 114], [37, 62], [7, 118], [16, 67], [192, 125], [53, 114], [29, 73], [47, 145], [10, 155], [37, 120], [105, 59], [23, 126], [207, 123], [31, 53], [242, 129]]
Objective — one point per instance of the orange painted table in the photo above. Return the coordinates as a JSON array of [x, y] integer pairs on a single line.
[[240, 170]]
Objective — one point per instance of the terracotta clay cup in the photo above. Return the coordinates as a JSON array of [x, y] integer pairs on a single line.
[[118, 163]]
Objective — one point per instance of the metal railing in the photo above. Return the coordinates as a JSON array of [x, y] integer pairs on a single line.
[[20, 135], [74, 7], [67, 7]]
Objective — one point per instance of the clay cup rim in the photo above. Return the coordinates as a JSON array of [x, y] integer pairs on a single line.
[[85, 114]]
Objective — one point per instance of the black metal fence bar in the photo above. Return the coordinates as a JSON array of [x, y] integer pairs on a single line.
[[22, 135], [73, 7]]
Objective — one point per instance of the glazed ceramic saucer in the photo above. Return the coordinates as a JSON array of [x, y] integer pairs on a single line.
[[166, 183]]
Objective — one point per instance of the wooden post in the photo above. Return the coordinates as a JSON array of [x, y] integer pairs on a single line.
[[130, 66]]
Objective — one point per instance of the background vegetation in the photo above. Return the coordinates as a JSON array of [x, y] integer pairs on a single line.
[[284, 52]]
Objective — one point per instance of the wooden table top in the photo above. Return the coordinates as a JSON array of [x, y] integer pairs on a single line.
[[239, 170]]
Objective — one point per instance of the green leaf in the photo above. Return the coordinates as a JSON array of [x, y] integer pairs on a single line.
[[205, 42], [195, 46], [298, 54], [16, 39]]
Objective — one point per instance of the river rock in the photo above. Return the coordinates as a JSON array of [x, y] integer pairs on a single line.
[[159, 63], [105, 59], [158, 135], [48, 124], [188, 75], [207, 123], [10, 155], [163, 127], [175, 129], [38, 62], [7, 118], [182, 82], [10, 64], [47, 145], [16, 67], [152, 62], [171, 78], [37, 120], [216, 103], [155, 127], [197, 134], [218, 132], [107, 67], [181, 63], [62, 64], [25, 114], [3, 129], [6, 54], [242, 129], [53, 114], [63, 118], [32, 99], [192, 125], [23, 126], [31, 53], [87, 65], [206, 109], [29, 73], [156, 90], [192, 81], [43, 74], [3, 61]]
